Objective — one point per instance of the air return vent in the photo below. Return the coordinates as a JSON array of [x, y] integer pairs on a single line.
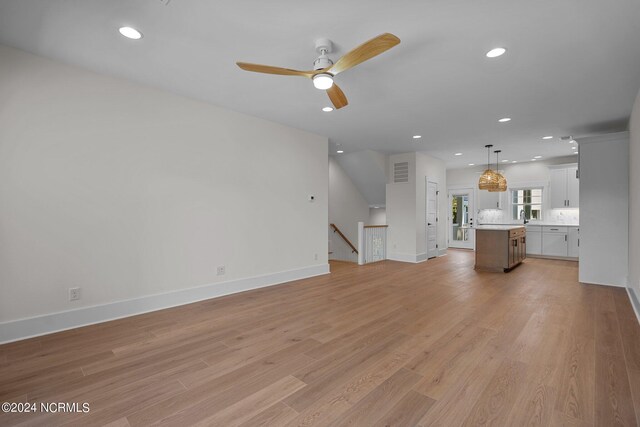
[[401, 172]]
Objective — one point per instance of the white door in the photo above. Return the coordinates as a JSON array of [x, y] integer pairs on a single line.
[[432, 219], [461, 232]]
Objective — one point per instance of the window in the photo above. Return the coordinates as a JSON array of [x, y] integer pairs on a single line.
[[527, 201]]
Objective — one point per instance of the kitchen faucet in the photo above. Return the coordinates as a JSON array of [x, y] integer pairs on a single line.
[[523, 216]]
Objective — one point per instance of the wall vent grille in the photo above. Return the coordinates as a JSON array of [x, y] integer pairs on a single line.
[[401, 172]]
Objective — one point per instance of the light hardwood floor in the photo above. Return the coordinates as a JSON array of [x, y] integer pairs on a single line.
[[385, 344]]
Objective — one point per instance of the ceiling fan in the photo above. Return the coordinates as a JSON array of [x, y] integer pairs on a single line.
[[324, 70]]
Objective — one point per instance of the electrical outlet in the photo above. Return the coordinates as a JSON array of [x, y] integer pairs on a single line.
[[221, 270], [74, 294]]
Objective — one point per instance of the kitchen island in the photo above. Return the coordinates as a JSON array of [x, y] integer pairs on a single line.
[[500, 247]]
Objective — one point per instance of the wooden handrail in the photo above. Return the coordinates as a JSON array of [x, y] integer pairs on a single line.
[[337, 230], [375, 226]]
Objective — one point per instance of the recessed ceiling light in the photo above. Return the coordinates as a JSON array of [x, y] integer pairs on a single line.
[[576, 152], [376, 207], [505, 161], [340, 151], [458, 154], [472, 164], [547, 137], [515, 161], [505, 119], [327, 109], [417, 136], [573, 141], [494, 53], [574, 148], [533, 160], [130, 33], [537, 157]]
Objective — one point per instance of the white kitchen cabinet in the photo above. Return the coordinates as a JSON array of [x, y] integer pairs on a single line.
[[564, 187], [554, 241], [573, 240], [534, 240], [489, 200], [573, 188]]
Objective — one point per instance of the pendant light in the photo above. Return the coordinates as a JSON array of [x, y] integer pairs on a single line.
[[488, 179], [501, 181]]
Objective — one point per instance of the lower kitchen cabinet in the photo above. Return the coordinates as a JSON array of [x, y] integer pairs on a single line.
[[573, 240], [554, 241], [534, 240]]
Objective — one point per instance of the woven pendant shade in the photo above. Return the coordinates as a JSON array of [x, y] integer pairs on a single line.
[[488, 180], [501, 184]]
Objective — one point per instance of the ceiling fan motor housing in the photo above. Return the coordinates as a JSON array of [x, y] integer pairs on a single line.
[[322, 62], [323, 46]]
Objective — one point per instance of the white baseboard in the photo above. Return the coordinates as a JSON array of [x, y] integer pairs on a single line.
[[635, 302], [41, 325], [613, 285], [404, 257], [412, 258]]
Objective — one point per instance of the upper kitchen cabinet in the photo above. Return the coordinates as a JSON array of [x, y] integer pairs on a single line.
[[563, 187], [489, 200]]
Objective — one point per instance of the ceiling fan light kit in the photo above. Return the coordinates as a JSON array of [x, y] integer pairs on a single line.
[[323, 81], [325, 69]]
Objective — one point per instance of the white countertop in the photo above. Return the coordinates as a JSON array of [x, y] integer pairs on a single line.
[[499, 227], [539, 224], [547, 224]]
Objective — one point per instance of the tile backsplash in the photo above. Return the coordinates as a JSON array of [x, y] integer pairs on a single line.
[[551, 216]]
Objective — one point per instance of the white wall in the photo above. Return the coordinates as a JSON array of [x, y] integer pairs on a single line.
[[406, 207], [367, 169], [347, 207], [377, 216], [604, 209], [401, 211], [127, 191], [517, 175], [634, 204]]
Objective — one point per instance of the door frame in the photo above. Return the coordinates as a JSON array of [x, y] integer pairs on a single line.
[[471, 192]]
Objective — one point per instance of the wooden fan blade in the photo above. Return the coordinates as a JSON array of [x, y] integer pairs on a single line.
[[365, 51], [257, 68], [337, 97]]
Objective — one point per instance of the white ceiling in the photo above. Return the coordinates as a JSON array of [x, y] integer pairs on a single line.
[[572, 66]]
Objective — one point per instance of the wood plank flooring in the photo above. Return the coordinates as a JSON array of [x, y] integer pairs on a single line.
[[387, 344]]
